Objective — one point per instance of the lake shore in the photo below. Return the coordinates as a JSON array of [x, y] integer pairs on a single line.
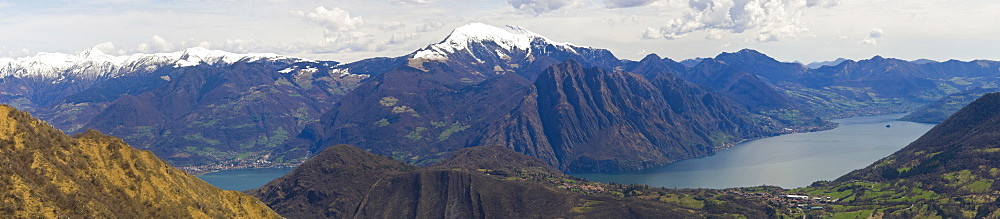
[[789, 161]]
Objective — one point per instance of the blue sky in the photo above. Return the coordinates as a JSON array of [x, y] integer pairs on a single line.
[[348, 30]]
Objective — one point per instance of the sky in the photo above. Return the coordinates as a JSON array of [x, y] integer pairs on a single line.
[[350, 30]]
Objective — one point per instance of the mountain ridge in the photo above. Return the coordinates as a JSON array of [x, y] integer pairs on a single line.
[[475, 182], [49, 174]]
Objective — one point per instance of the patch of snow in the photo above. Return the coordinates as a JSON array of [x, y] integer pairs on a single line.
[[346, 72]]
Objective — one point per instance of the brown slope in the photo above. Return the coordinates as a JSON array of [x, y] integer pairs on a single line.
[[331, 184], [48, 174]]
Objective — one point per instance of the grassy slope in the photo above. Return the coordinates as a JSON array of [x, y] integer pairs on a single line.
[[47, 174]]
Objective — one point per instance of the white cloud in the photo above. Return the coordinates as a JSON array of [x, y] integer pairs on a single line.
[[875, 33], [392, 25], [351, 42], [333, 19], [714, 34], [631, 19], [401, 38], [652, 33], [411, 1], [109, 48], [538, 7], [821, 3], [430, 26], [626, 3], [772, 19], [341, 32], [156, 44]]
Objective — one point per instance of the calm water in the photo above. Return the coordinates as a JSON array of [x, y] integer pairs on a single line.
[[789, 161], [243, 179]]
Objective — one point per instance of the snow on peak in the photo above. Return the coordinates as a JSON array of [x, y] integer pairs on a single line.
[[93, 63], [510, 39], [198, 55]]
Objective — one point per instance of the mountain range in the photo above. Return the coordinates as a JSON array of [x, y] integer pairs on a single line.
[[558, 102], [194, 107], [482, 124], [204, 109], [949, 172]]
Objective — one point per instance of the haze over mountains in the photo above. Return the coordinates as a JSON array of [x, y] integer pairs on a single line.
[[481, 85]]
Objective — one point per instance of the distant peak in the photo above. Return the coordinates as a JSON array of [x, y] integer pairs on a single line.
[[743, 53], [92, 52], [652, 56], [749, 51], [461, 38], [478, 29]]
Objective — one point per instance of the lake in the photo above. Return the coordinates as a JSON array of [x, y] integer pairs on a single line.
[[789, 161], [243, 179]]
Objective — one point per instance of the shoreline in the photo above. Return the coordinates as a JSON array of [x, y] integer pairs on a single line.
[[211, 168]]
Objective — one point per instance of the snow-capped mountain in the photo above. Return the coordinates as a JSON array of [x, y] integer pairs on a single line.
[[465, 38], [216, 103], [486, 51], [94, 63]]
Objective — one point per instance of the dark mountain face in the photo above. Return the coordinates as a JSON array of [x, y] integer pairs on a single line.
[[653, 66], [47, 174], [768, 68], [891, 78], [587, 112], [572, 117], [754, 92], [419, 116], [477, 182], [815, 65], [741, 86]]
